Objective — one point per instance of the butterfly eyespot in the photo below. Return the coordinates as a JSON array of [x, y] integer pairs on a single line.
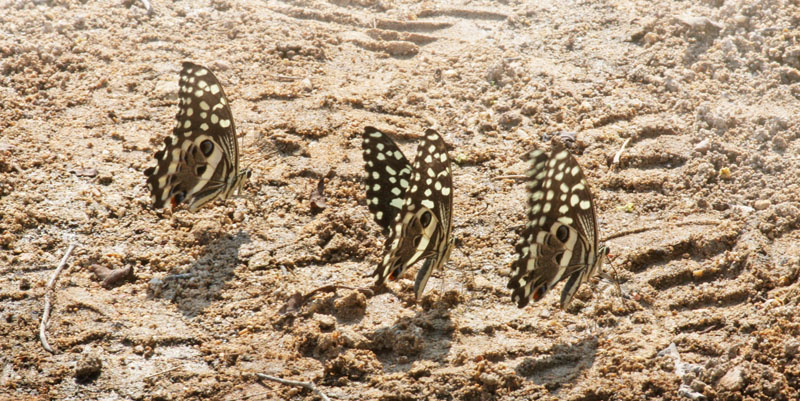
[[425, 219], [397, 269], [200, 170], [539, 292], [562, 233], [558, 257], [178, 197], [417, 239], [206, 147]]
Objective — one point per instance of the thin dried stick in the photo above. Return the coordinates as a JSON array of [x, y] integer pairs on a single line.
[[47, 291], [148, 7], [162, 372], [510, 176], [305, 385], [286, 78], [661, 226], [615, 161]]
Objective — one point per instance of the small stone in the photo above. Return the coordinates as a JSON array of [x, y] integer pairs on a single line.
[[703, 146], [167, 90], [698, 386], [449, 73], [733, 380], [351, 339], [779, 142], [238, 216], [105, 179], [651, 37], [489, 379], [307, 85], [88, 367], [790, 348], [420, 369], [741, 20], [220, 65], [530, 109], [761, 204], [326, 322], [481, 283]]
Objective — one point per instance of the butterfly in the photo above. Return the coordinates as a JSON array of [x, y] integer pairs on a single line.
[[412, 203], [200, 160], [560, 239]]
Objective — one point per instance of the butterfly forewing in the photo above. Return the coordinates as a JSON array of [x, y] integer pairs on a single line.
[[560, 240], [387, 176], [422, 226], [200, 161]]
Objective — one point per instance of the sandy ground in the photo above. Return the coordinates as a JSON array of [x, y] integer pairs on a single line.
[[702, 210]]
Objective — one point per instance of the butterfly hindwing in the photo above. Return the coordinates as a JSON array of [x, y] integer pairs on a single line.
[[560, 240], [200, 160], [421, 227]]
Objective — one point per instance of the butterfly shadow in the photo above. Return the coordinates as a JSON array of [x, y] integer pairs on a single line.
[[426, 336], [199, 285], [564, 364]]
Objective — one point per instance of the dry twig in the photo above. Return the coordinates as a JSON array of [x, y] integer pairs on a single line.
[[286, 78], [148, 7], [162, 372], [661, 226], [510, 176], [305, 385], [50, 285], [615, 161]]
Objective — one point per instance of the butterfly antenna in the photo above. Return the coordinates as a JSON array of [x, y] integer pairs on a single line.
[[471, 272], [614, 279]]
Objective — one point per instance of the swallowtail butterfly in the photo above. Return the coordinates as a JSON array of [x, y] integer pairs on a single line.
[[200, 161], [413, 204], [560, 240]]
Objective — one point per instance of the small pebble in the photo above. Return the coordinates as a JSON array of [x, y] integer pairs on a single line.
[[326, 322], [761, 204], [791, 347], [220, 65], [307, 85], [651, 37], [703, 146], [733, 380], [88, 367], [489, 379]]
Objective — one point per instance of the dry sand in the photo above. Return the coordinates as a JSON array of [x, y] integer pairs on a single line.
[[702, 208]]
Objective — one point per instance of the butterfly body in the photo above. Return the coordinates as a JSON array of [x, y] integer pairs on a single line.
[[560, 241], [200, 160], [413, 203]]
